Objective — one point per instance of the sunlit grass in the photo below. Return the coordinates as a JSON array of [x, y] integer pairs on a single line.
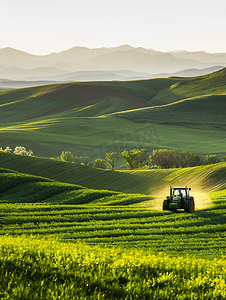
[[61, 241], [84, 128], [65, 241], [49, 269], [31, 126], [73, 212]]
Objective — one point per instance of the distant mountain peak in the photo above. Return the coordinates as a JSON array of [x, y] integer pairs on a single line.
[[125, 46], [121, 57], [179, 51]]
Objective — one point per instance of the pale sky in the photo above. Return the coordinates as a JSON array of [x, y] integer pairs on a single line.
[[46, 26]]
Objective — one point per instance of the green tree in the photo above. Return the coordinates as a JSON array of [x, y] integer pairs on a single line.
[[224, 158], [112, 159], [78, 160], [212, 159], [67, 156], [20, 150], [135, 157], [7, 149], [100, 163], [187, 159], [85, 160], [164, 158]]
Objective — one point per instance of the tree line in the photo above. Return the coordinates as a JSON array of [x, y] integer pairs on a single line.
[[134, 159], [165, 159], [139, 159]]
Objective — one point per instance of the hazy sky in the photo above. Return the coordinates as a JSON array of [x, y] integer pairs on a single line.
[[46, 26]]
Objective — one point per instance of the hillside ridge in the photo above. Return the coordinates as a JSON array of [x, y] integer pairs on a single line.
[[202, 179], [80, 117]]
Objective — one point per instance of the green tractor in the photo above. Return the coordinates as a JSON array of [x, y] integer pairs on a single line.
[[179, 199]]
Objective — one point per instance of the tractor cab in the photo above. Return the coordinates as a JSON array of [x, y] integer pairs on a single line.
[[179, 191], [179, 199]]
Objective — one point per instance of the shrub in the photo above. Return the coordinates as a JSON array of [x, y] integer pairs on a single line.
[[187, 159], [164, 158], [20, 150], [67, 156], [100, 163], [7, 150], [135, 157], [112, 159], [212, 159]]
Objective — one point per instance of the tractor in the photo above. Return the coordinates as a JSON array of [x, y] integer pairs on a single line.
[[179, 199]]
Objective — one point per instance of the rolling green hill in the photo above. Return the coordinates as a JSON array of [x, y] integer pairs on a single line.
[[84, 118], [96, 136], [69, 231], [201, 111], [211, 84], [71, 212], [23, 188], [60, 240], [202, 179], [30, 103], [198, 101]]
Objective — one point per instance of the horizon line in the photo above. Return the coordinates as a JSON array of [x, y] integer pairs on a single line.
[[112, 47]]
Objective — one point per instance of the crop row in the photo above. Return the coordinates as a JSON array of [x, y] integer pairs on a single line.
[[121, 225], [34, 268], [198, 235]]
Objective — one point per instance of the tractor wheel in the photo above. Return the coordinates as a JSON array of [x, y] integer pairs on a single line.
[[186, 205], [165, 204], [189, 205], [192, 205]]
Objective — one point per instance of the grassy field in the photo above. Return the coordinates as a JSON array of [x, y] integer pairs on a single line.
[[37, 205], [202, 178], [81, 117], [73, 232], [96, 136], [206, 110], [48, 269], [51, 233], [31, 103], [211, 84]]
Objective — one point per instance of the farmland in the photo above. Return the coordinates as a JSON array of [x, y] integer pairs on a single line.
[[70, 231], [49, 269], [203, 179], [51, 234], [94, 118], [45, 206]]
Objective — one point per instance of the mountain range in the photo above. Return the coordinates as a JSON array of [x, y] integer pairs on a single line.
[[116, 63]]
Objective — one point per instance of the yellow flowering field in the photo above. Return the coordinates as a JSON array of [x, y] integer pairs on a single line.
[[45, 268]]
